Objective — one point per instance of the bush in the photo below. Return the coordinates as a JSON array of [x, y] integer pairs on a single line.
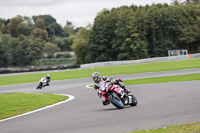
[[63, 55], [54, 61]]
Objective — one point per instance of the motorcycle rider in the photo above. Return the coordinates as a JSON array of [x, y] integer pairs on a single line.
[[97, 79], [48, 78]]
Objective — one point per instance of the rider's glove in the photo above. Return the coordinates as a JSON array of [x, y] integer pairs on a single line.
[[119, 80], [98, 94], [96, 87]]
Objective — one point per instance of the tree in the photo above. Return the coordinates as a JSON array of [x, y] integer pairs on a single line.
[[1, 51], [39, 23], [3, 29], [48, 19], [28, 21], [192, 1], [4, 41], [119, 45], [52, 27], [163, 27], [79, 45], [11, 53], [64, 43], [102, 35], [41, 34], [34, 49], [16, 27], [50, 49], [176, 2], [67, 31], [21, 53]]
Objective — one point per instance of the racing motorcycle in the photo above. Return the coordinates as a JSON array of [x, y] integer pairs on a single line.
[[42, 82], [116, 95]]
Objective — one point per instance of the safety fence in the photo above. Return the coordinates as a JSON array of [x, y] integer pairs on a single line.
[[157, 59]]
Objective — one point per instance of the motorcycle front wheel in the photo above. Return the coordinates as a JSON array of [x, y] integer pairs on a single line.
[[134, 101], [116, 101], [39, 86]]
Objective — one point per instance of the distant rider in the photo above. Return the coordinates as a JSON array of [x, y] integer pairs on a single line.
[[48, 78], [97, 79]]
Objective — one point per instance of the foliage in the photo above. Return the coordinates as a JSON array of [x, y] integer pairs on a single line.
[[80, 40], [50, 49], [123, 33], [64, 43], [54, 61], [62, 55], [133, 32], [41, 34], [16, 27], [22, 42]]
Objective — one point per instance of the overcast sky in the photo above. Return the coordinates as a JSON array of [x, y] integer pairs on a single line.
[[79, 12]]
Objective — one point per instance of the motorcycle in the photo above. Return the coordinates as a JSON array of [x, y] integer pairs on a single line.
[[116, 95], [42, 82]]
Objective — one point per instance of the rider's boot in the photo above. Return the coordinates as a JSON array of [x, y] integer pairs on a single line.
[[105, 102], [126, 90]]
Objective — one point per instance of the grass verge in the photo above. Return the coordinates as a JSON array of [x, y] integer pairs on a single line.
[[12, 104], [188, 77], [185, 128], [114, 70], [177, 78]]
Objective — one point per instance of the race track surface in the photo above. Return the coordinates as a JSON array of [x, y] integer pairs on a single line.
[[159, 105]]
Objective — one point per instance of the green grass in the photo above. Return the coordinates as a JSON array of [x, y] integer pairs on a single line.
[[185, 128], [12, 104], [177, 78], [105, 71]]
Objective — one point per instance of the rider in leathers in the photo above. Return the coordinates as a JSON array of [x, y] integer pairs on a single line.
[[48, 78], [97, 79]]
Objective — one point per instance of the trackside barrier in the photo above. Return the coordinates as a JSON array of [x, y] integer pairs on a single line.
[[112, 63], [189, 56], [33, 69]]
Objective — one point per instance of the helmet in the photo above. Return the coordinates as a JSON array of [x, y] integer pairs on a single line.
[[96, 77], [48, 76]]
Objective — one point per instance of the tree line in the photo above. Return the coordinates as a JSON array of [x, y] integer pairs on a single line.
[[124, 33], [136, 32], [24, 40]]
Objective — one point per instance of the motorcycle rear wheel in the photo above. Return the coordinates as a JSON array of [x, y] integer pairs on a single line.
[[116, 101]]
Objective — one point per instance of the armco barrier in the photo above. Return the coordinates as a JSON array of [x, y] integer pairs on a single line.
[[111, 63], [33, 69], [98, 64]]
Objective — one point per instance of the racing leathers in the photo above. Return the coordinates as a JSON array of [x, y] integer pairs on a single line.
[[48, 79], [112, 81]]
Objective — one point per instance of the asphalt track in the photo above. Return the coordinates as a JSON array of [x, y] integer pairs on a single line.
[[159, 105]]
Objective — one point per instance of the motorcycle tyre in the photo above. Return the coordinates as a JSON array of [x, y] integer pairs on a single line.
[[134, 103], [114, 103], [39, 86]]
